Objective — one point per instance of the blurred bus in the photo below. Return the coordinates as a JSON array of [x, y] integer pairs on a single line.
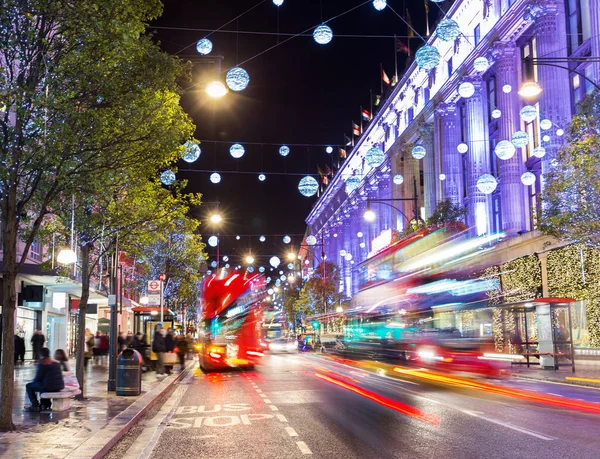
[[230, 327]]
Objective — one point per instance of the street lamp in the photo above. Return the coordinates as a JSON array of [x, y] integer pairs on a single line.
[[216, 90], [66, 257], [530, 89], [249, 259], [216, 219], [291, 256], [369, 215]]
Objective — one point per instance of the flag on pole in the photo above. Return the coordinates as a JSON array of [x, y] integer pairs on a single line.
[[348, 140], [356, 129], [376, 99], [411, 30], [343, 153], [384, 77], [367, 116], [427, 15], [402, 47]]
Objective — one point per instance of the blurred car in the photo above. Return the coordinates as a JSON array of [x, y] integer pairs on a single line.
[[282, 345]]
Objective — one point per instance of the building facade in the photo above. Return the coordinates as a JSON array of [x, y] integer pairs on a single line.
[[462, 131]]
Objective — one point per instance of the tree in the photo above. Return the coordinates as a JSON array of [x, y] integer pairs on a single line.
[[320, 293], [84, 94], [446, 212], [571, 192]]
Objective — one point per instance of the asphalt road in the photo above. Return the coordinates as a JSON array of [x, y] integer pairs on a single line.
[[294, 406]]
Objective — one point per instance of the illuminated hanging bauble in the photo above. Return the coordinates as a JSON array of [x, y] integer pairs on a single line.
[[262, 239], [284, 150], [329, 150], [546, 138], [261, 269], [311, 240], [442, 177], [209, 272], [204, 46], [375, 157], [323, 34], [237, 79], [487, 184], [237, 150], [275, 262], [213, 264], [287, 239], [191, 153], [225, 258], [560, 132], [167, 177], [278, 2], [277, 283], [520, 139], [352, 183], [466, 89], [342, 252], [505, 150], [539, 152], [227, 266], [290, 265], [398, 179], [215, 177], [462, 148], [428, 57], [348, 257], [362, 245], [379, 5], [250, 269], [262, 177], [447, 30], [213, 241], [481, 64], [418, 152], [554, 162], [237, 238], [506, 88], [308, 186], [359, 234], [496, 114], [282, 277], [528, 113], [545, 124], [528, 178]]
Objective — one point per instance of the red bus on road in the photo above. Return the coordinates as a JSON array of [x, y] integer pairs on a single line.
[[231, 319]]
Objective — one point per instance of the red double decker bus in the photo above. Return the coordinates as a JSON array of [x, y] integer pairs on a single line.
[[231, 320]]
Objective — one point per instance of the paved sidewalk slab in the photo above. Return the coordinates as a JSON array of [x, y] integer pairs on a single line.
[[586, 374]]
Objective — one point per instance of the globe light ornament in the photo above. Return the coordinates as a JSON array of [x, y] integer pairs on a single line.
[[466, 89], [262, 177], [168, 177], [418, 152], [237, 151], [226, 258], [308, 186], [287, 239], [496, 113], [192, 152], [487, 184], [261, 269], [323, 34], [284, 150], [277, 2], [213, 264], [213, 241], [329, 150], [462, 148], [237, 79], [282, 277], [505, 150], [262, 239], [546, 138], [274, 262], [528, 113], [342, 252], [506, 89], [250, 269], [442, 177], [428, 57], [311, 240], [215, 178], [398, 180], [379, 5], [290, 265], [481, 64], [539, 152], [447, 30], [528, 179], [520, 139], [545, 124], [359, 234], [348, 257], [560, 132], [204, 46], [352, 183], [375, 157]]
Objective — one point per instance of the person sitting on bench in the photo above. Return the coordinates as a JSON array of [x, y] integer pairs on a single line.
[[47, 379]]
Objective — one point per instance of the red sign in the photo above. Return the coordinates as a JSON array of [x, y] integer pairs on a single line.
[[153, 286], [162, 277]]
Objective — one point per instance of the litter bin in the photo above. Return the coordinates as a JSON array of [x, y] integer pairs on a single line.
[[129, 373]]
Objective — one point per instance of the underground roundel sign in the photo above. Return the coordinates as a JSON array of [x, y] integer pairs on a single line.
[[154, 286]]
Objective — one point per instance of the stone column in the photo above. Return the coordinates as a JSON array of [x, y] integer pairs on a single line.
[[595, 32], [478, 204], [429, 176], [449, 134], [511, 188], [411, 169], [551, 42]]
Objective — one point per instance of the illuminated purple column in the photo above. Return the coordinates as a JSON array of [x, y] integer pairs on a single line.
[[478, 160], [429, 175], [448, 125], [511, 188], [411, 170], [595, 33]]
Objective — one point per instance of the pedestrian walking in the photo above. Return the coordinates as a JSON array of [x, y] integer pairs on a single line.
[[139, 344], [47, 379], [89, 347], [158, 347], [19, 349], [104, 344], [122, 341], [170, 348], [182, 347], [96, 349], [37, 343]]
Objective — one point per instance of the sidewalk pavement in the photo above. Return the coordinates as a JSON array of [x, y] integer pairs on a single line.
[[587, 373], [90, 428]]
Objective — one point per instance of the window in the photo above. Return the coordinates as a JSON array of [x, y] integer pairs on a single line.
[[35, 251], [477, 34], [449, 65], [491, 93], [496, 212], [528, 52], [411, 114], [580, 87], [578, 22], [426, 95]]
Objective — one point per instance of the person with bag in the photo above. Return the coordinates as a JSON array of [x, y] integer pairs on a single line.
[[182, 349], [48, 378], [89, 346], [170, 358], [158, 347]]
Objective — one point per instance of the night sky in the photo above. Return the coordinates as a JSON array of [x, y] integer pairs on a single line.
[[299, 93]]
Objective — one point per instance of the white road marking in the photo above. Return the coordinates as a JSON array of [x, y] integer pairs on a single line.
[[510, 426], [281, 417], [291, 432], [258, 390], [268, 402], [200, 437], [273, 408], [556, 395], [263, 395], [304, 449]]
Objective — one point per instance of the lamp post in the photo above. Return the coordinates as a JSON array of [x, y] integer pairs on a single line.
[[370, 216], [531, 89]]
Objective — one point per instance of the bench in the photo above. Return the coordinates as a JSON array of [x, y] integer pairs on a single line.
[[61, 401]]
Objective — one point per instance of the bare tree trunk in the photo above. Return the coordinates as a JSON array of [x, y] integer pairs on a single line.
[[85, 295], [9, 305]]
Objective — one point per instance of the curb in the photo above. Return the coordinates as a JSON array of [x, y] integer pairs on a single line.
[[558, 381], [104, 439]]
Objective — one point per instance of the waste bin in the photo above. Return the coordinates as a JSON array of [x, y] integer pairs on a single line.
[[129, 373]]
